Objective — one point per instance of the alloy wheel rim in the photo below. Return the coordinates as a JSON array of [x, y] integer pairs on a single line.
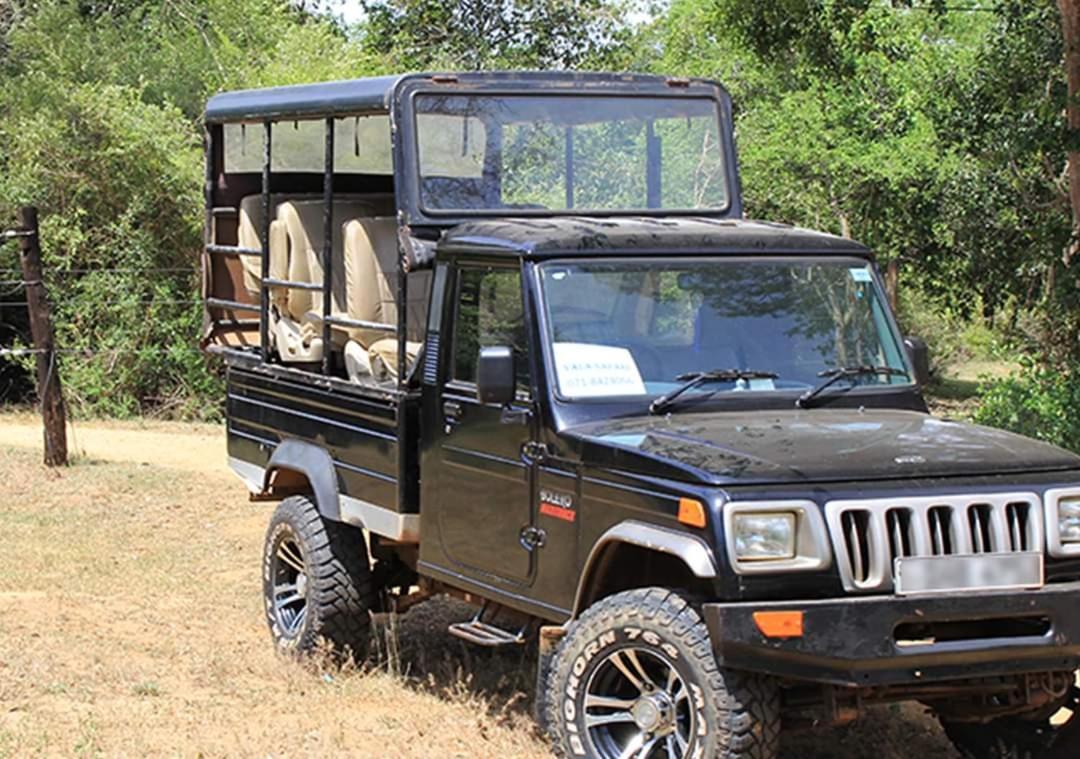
[[637, 706], [289, 586]]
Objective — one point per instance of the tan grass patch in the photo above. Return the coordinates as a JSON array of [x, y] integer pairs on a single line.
[[132, 625]]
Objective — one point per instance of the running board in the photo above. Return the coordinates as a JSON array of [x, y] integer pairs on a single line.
[[483, 634]]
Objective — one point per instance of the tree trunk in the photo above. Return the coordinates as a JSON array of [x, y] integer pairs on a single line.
[[1070, 29], [892, 283]]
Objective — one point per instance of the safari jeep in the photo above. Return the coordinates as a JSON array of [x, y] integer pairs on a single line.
[[509, 337]]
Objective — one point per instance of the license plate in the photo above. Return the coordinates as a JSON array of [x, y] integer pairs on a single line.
[[944, 574]]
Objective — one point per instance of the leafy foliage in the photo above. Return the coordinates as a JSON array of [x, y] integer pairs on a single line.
[[493, 34], [99, 107], [934, 132], [1039, 401]]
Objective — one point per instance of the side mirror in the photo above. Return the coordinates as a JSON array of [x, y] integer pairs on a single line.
[[919, 355], [496, 379]]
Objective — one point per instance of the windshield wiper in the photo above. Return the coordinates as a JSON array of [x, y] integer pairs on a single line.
[[844, 372], [691, 380]]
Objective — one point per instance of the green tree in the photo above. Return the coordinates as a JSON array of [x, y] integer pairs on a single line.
[[493, 34], [99, 122]]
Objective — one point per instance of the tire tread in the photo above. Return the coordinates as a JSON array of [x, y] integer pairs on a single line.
[[749, 711]]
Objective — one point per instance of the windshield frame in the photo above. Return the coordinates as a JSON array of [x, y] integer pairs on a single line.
[[696, 400], [406, 138]]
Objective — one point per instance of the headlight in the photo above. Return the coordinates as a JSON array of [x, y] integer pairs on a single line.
[[770, 537], [1069, 520]]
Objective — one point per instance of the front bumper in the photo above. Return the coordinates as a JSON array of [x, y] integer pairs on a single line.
[[853, 641]]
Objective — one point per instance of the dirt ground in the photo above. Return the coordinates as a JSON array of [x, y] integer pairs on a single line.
[[131, 625]]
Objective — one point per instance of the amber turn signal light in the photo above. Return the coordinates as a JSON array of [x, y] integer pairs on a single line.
[[779, 624], [691, 512]]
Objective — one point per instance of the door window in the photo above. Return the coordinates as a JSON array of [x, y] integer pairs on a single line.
[[490, 313]]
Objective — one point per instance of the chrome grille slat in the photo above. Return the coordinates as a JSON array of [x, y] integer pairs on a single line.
[[899, 521], [998, 531], [868, 536]]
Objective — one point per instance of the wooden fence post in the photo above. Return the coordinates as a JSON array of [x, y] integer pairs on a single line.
[[41, 330]]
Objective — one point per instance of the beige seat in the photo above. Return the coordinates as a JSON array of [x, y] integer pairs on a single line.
[[371, 275], [364, 285], [249, 235], [250, 222], [296, 246]]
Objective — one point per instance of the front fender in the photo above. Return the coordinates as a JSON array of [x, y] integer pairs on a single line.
[[691, 550]]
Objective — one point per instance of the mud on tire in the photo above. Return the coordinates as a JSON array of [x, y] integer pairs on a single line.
[[636, 673], [316, 581]]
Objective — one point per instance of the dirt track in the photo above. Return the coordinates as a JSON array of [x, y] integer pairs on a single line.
[[131, 625]]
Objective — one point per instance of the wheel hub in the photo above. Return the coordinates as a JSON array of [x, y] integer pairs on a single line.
[[301, 584], [654, 713]]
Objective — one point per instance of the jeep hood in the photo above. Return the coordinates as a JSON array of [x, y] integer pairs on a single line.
[[813, 445]]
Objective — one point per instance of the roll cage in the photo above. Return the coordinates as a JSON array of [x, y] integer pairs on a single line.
[[238, 320]]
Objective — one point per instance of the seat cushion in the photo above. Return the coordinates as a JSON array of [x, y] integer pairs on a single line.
[[383, 356]]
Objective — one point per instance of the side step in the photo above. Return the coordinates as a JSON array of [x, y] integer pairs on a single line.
[[483, 634]]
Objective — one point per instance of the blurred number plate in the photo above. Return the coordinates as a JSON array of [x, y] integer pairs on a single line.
[[992, 571]]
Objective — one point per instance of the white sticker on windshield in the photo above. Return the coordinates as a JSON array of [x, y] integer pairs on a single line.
[[861, 275], [591, 371]]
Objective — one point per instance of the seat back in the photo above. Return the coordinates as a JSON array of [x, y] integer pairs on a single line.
[[250, 223], [304, 231], [371, 276], [249, 234]]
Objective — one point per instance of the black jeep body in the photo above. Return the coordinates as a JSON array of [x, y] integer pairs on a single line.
[[929, 557]]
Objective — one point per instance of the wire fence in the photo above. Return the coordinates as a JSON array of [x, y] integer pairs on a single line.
[[88, 352], [24, 304], [102, 270], [15, 283]]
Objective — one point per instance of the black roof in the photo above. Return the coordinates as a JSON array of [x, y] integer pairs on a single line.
[[322, 99], [375, 94], [576, 234]]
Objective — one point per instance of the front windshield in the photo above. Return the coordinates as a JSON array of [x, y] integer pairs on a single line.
[[535, 153], [632, 328]]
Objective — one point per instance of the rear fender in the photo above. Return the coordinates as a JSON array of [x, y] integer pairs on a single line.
[[314, 464]]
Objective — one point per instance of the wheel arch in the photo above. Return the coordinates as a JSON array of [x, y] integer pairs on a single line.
[[295, 462], [634, 554]]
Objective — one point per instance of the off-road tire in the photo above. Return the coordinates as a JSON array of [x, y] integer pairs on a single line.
[[1016, 738], [542, 708], [734, 715], [339, 592]]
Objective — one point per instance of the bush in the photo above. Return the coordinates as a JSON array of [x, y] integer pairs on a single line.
[[118, 182], [99, 128], [1038, 401], [919, 316]]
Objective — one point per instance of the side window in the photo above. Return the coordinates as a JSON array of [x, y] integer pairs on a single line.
[[489, 312]]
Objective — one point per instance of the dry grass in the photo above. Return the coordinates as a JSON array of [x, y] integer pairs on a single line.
[[131, 624]]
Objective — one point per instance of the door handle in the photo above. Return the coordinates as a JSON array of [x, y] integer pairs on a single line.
[[452, 411]]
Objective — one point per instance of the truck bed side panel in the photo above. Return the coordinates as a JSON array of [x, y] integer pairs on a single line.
[[360, 434]]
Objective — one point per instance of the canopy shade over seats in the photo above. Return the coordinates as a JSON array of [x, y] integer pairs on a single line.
[[303, 101]]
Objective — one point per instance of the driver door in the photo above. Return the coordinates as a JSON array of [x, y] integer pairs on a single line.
[[485, 492]]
